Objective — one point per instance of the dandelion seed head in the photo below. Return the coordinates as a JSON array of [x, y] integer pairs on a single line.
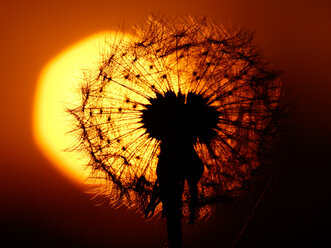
[[183, 81]]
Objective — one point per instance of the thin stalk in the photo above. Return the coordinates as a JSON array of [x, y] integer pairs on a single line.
[[174, 229]]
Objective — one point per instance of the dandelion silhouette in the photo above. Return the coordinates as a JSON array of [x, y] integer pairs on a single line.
[[175, 119]]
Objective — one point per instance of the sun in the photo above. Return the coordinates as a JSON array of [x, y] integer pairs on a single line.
[[58, 88]]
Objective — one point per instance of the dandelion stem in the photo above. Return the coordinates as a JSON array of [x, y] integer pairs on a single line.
[[174, 228]]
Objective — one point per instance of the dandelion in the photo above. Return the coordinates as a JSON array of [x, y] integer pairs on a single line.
[[175, 119]]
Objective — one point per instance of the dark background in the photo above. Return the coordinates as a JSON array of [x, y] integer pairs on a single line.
[[41, 207]]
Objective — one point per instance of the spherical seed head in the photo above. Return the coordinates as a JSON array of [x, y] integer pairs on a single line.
[[183, 81]]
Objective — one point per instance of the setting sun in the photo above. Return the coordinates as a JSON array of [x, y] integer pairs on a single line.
[[59, 88]]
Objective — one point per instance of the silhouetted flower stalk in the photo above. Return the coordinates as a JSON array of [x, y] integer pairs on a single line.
[[178, 115]]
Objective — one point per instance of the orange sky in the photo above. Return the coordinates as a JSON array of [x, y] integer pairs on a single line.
[[38, 205]]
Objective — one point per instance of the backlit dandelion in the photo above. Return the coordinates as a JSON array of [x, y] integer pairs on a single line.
[[175, 119]]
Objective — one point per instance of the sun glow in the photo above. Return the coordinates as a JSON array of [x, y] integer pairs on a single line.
[[59, 88], [182, 108]]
